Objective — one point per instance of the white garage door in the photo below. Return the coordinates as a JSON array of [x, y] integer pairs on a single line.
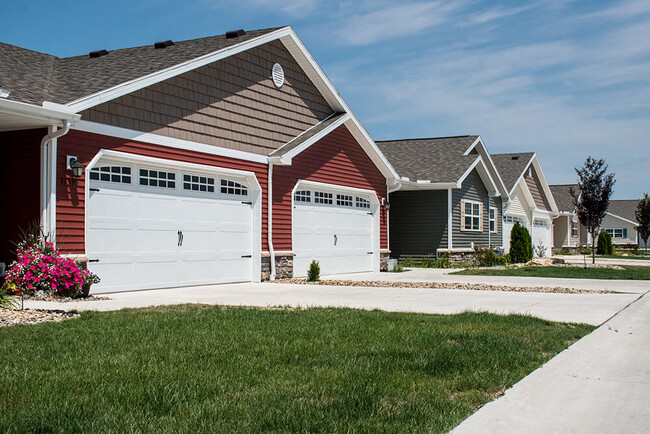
[[508, 224], [542, 236], [153, 227], [334, 228]]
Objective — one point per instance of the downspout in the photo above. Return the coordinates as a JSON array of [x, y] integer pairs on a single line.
[[48, 177], [269, 213], [397, 186]]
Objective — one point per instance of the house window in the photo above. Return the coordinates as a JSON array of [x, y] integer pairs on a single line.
[[343, 200], [302, 196], [574, 229], [198, 183], [321, 197], [472, 216], [617, 232], [157, 178], [493, 219], [362, 203], [232, 187], [511, 219], [120, 174]]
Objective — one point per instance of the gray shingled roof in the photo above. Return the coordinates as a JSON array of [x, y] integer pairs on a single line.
[[511, 166], [562, 197], [623, 208], [435, 159], [34, 77], [302, 138]]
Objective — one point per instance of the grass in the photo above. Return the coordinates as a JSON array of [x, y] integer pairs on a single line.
[[197, 368], [628, 273]]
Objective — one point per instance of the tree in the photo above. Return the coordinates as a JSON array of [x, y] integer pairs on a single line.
[[521, 245], [595, 187], [642, 214]]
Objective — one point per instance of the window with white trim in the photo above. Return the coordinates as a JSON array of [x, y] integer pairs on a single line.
[[617, 232], [302, 196], [232, 187], [574, 229], [198, 183], [119, 174], [322, 197], [343, 200], [360, 202], [511, 219], [540, 223], [493, 219], [157, 178], [472, 216]]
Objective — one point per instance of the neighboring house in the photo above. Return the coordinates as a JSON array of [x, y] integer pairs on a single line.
[[620, 222], [568, 233], [203, 160], [531, 201], [450, 197]]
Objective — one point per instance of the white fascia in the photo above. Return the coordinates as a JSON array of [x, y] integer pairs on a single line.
[[484, 173], [482, 149], [545, 186], [286, 158], [420, 185], [130, 86], [528, 196], [124, 133], [622, 218], [48, 113]]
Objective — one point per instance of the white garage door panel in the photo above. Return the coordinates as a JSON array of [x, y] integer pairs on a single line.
[[133, 230], [339, 238]]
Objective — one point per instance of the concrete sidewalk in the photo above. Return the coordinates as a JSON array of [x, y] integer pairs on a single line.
[[587, 308], [580, 259], [600, 384], [442, 275]]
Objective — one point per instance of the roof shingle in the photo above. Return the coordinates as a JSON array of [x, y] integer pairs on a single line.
[[511, 166], [562, 196], [623, 208]]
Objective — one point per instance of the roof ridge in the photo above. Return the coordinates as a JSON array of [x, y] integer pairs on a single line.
[[428, 138], [512, 153]]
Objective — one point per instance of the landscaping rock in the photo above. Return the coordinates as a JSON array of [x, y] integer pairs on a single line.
[[10, 317]]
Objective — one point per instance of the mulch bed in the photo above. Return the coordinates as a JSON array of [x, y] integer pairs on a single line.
[[441, 285], [9, 317]]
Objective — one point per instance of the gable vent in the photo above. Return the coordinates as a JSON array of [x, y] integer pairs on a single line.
[[163, 44], [516, 157], [278, 75], [98, 53], [235, 33]]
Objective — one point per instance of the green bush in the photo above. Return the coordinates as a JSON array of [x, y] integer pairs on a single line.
[[507, 259], [487, 257], [398, 268], [313, 274], [6, 299], [409, 263], [426, 263], [442, 261], [564, 251], [584, 250], [521, 244], [604, 246]]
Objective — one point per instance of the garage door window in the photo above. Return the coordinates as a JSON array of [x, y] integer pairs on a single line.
[[343, 200], [322, 197], [302, 196], [362, 203], [119, 174], [540, 223], [232, 187], [157, 178], [198, 183]]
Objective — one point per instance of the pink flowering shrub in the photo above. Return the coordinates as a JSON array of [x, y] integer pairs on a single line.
[[39, 267]]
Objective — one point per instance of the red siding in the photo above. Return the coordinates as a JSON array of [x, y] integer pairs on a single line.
[[336, 159], [19, 186], [70, 198]]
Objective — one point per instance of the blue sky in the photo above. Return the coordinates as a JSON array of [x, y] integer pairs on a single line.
[[565, 79]]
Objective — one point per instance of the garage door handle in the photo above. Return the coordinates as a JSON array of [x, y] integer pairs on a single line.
[[247, 203], [369, 253], [246, 256], [93, 189], [370, 213], [180, 238], [93, 260]]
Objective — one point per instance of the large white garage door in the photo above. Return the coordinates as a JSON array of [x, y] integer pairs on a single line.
[[334, 228], [542, 236], [153, 227]]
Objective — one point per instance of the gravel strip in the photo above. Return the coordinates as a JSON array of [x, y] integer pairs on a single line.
[[47, 297], [444, 285], [9, 317]]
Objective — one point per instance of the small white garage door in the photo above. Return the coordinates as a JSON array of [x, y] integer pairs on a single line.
[[542, 236], [156, 227], [336, 228], [508, 224]]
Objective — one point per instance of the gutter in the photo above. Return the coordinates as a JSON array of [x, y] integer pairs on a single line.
[[269, 213], [48, 178]]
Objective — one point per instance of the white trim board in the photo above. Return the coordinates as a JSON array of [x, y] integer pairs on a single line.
[[483, 173], [156, 139]]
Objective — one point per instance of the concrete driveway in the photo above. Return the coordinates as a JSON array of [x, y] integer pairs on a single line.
[[580, 259], [587, 308], [600, 384]]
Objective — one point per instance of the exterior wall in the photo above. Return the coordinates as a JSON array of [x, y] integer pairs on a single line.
[[418, 222], [560, 231], [231, 103], [19, 186], [335, 159], [496, 239], [71, 191], [518, 207], [472, 189], [611, 222], [536, 190]]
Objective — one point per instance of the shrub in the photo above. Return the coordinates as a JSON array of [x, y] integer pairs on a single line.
[[485, 256], [427, 263], [584, 250], [313, 274], [564, 251], [442, 261], [409, 263], [605, 246], [40, 267], [398, 268], [507, 259], [6, 297], [521, 244]]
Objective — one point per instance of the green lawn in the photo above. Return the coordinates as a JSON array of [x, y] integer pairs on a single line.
[[196, 368], [629, 272]]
